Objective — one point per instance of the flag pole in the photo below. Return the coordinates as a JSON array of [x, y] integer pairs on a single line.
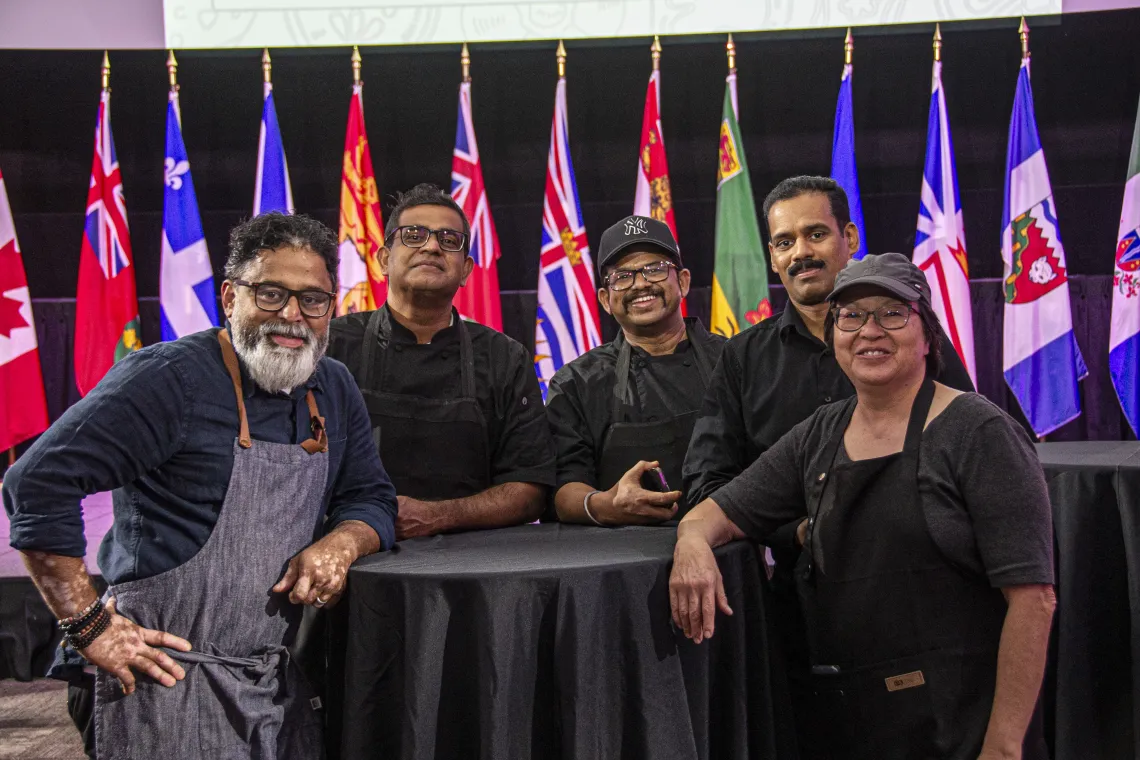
[[172, 70], [11, 455], [355, 66], [655, 52], [266, 66], [106, 72], [848, 48], [937, 43], [465, 61], [1023, 32], [560, 56], [730, 48]]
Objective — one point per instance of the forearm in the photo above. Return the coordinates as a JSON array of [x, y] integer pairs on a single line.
[[63, 582], [708, 522], [1021, 666], [569, 500], [498, 507]]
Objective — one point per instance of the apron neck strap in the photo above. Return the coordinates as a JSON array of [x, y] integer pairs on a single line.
[[378, 335], [320, 440], [918, 412], [625, 358]]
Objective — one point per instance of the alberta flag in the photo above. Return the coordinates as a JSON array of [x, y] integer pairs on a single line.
[[843, 156], [940, 240], [186, 287], [1042, 362], [567, 324], [272, 191], [1124, 340]]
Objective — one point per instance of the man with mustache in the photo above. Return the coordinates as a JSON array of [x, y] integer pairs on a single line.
[[455, 406], [245, 484], [628, 406]]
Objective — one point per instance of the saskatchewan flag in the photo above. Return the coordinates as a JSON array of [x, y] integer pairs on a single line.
[[740, 278]]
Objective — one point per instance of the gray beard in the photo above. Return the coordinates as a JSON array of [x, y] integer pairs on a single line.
[[275, 368]]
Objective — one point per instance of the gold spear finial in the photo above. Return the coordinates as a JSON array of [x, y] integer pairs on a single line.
[[730, 47], [848, 47], [937, 42], [172, 70], [655, 52], [560, 54], [106, 72], [465, 59], [355, 65], [266, 66], [1023, 32]]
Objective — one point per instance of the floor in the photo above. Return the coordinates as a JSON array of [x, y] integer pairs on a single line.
[[97, 518], [34, 724]]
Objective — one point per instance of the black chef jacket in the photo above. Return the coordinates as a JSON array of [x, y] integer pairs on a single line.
[[506, 387]]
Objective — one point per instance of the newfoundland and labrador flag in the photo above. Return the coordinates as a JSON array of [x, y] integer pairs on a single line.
[[1124, 338], [567, 325], [1041, 360]]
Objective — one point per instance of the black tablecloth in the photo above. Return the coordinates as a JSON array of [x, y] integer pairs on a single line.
[[1094, 668], [548, 642]]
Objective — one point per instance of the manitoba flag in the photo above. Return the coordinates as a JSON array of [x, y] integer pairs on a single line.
[[23, 411]]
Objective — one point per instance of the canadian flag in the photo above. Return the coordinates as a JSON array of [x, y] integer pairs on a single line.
[[23, 410]]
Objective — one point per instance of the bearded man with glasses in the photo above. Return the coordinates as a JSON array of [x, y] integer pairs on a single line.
[[455, 408], [623, 412]]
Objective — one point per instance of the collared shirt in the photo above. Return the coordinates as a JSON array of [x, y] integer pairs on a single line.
[[579, 403], [506, 387], [160, 430], [770, 377]]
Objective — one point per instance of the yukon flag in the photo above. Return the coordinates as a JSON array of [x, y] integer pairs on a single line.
[[940, 240], [24, 410], [1124, 340], [361, 283], [1041, 360], [843, 168], [106, 308], [272, 191]]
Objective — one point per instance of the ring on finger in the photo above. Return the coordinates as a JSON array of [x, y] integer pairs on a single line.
[[321, 602]]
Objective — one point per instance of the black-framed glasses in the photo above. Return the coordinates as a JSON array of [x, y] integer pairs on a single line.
[[416, 236], [623, 279], [269, 296], [891, 317]]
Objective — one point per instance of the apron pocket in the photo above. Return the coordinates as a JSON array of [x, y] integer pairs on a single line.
[[238, 709], [155, 722]]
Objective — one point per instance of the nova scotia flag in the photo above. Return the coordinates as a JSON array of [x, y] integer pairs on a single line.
[[272, 192]]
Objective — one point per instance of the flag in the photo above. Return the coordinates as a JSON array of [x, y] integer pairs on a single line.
[[843, 156], [740, 277], [940, 240], [479, 298], [361, 283], [186, 283], [1041, 359], [272, 191], [1124, 339], [23, 410], [106, 309], [567, 323]]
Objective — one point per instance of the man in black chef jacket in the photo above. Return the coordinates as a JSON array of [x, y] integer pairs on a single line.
[[628, 406], [455, 407]]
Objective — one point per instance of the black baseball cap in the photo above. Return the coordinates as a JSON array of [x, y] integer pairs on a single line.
[[893, 272], [636, 230]]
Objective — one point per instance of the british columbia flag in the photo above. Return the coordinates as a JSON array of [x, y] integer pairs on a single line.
[[567, 324], [479, 298]]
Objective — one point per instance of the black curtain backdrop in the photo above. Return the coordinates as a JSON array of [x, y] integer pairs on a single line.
[[1086, 79]]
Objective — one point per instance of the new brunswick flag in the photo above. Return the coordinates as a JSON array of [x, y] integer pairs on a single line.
[[362, 286], [740, 277]]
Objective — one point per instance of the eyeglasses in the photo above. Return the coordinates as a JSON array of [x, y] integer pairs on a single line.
[[273, 297], [623, 279], [416, 236], [891, 317]]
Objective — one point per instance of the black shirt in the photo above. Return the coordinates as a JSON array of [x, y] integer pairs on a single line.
[[506, 387], [770, 377], [579, 403]]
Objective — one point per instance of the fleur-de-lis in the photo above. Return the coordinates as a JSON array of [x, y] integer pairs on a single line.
[[174, 171]]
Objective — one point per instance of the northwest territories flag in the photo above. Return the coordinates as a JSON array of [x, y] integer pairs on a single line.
[[1041, 360], [1124, 340], [186, 287], [272, 191]]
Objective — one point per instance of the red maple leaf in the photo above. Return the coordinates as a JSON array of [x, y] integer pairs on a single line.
[[10, 317]]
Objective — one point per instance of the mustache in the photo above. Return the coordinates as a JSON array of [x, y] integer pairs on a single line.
[[286, 329], [803, 264], [643, 292]]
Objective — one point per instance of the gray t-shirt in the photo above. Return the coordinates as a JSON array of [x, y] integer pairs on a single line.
[[981, 488]]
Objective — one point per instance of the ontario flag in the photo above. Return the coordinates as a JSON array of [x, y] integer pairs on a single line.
[[1124, 338], [23, 410], [567, 323], [362, 286], [478, 299], [106, 309], [1041, 360], [940, 240]]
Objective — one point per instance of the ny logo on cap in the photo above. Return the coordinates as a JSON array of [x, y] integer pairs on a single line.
[[635, 226]]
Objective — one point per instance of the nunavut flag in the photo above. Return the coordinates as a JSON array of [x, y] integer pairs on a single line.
[[106, 309], [362, 285], [23, 410]]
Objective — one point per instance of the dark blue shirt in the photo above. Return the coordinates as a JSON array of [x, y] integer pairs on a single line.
[[159, 430]]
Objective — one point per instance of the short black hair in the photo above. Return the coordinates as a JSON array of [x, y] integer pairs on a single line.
[[794, 187], [425, 194], [274, 230], [931, 332]]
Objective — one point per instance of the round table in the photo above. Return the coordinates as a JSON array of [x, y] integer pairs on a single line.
[[548, 641]]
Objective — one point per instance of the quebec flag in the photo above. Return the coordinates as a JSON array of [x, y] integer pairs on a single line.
[[272, 191], [843, 168], [186, 287], [1041, 360]]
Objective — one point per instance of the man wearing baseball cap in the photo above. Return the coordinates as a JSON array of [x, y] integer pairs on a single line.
[[622, 413]]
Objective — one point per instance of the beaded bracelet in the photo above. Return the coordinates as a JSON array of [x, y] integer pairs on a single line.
[[77, 623], [83, 639]]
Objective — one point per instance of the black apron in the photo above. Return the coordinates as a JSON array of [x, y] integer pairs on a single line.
[[432, 449], [665, 441], [903, 643]]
